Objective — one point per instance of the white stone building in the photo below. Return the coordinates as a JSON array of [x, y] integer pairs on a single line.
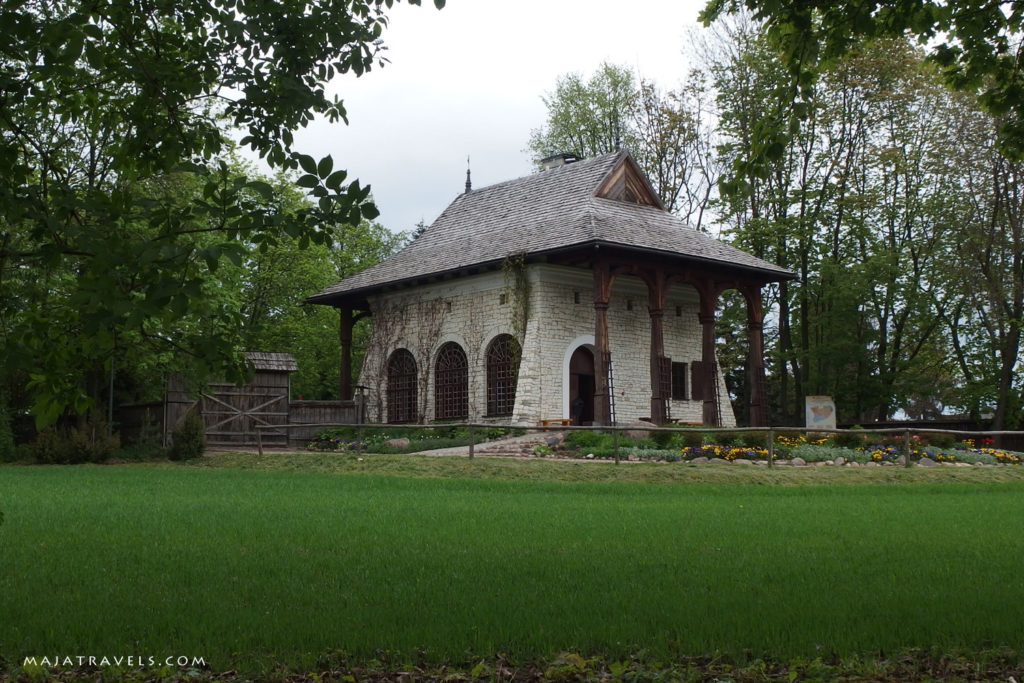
[[567, 294]]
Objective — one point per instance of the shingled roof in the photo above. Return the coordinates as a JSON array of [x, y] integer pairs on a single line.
[[273, 362], [549, 212]]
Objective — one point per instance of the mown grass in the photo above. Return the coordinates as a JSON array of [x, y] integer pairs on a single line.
[[246, 561]]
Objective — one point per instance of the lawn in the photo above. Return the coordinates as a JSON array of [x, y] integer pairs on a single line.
[[247, 561]]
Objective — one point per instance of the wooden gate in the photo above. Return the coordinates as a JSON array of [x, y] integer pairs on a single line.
[[231, 414]]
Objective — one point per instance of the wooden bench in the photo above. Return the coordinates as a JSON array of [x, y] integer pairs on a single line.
[[562, 421]]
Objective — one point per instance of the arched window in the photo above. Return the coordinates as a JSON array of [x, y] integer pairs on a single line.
[[502, 374], [451, 383], [401, 387]]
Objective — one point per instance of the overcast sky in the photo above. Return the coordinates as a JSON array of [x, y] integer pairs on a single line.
[[467, 81]]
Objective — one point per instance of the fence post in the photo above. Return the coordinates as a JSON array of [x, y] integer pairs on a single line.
[[906, 447], [771, 448], [259, 440], [472, 442], [615, 441]]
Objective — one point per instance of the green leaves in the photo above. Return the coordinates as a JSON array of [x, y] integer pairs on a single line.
[[122, 213], [811, 36]]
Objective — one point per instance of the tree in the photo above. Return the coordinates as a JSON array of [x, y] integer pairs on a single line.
[[589, 118], [668, 133], [272, 285], [976, 45], [853, 204], [115, 196], [984, 229]]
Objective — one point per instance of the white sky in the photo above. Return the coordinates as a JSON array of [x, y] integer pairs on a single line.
[[467, 81]]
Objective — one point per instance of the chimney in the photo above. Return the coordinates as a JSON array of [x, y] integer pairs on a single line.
[[556, 160]]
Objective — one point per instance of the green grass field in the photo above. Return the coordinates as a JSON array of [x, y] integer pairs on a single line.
[[246, 561]]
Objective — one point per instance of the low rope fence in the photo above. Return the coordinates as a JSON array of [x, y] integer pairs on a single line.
[[475, 429]]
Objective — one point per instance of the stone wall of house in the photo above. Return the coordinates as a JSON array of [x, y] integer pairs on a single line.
[[472, 311], [562, 318]]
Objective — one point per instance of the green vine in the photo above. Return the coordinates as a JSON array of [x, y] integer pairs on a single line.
[[517, 290]]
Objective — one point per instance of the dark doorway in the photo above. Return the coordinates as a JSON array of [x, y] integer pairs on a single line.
[[581, 386]]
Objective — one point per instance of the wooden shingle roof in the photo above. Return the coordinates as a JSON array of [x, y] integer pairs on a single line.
[[273, 362], [549, 212]]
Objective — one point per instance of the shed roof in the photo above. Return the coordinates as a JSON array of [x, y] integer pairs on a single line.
[[556, 210], [272, 362]]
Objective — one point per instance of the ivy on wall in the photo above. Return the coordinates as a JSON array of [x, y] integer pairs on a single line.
[[517, 291]]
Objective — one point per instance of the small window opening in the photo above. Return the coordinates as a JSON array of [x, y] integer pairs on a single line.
[[679, 311], [576, 297], [679, 381], [502, 299]]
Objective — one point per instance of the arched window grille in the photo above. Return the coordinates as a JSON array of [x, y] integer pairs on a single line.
[[502, 374], [451, 383], [401, 387]]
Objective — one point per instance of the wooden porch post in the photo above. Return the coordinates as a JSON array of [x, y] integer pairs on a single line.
[[758, 406], [345, 339], [709, 368], [656, 294], [602, 351]]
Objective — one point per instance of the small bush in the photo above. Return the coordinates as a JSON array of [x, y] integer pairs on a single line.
[[724, 438], [542, 451], [693, 438], [89, 442], [939, 440], [662, 439], [93, 442], [50, 447], [656, 454], [812, 453], [189, 439], [589, 440], [849, 439], [755, 439], [148, 446]]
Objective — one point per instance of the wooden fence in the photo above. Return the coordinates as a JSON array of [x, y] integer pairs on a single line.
[[231, 415]]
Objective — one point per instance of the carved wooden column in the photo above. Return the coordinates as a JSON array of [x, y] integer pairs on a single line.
[[656, 293], [602, 350], [345, 339], [708, 367], [758, 406]]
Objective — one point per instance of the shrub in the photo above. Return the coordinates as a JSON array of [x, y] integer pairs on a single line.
[[849, 439], [655, 454], [811, 453], [662, 439], [50, 446], [149, 445], [93, 441], [89, 442], [754, 439], [939, 440], [188, 440], [693, 438], [724, 438], [589, 440]]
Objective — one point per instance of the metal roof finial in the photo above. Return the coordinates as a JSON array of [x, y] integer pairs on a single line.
[[469, 183]]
